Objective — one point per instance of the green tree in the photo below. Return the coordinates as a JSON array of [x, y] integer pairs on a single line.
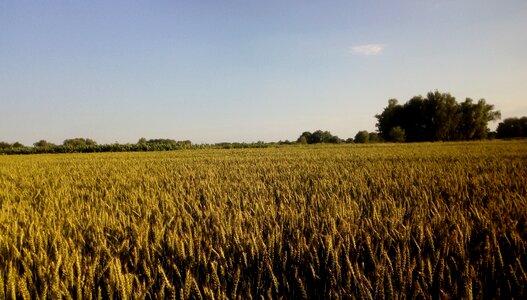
[[79, 142], [390, 117], [4, 146], [512, 127], [304, 137], [474, 119], [396, 135], [318, 136], [374, 137], [443, 116], [438, 117], [43, 144], [362, 137], [302, 140]]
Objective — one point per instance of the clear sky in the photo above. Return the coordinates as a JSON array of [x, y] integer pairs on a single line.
[[214, 71]]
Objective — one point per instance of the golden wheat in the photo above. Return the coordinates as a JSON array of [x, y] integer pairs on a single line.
[[348, 221]]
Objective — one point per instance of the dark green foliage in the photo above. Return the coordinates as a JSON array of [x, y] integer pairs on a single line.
[[317, 137], [81, 145], [286, 142], [79, 142], [474, 119], [302, 140], [362, 137], [43, 144], [374, 137], [4, 145], [438, 117], [512, 127], [389, 118], [9, 147], [78, 146], [397, 135]]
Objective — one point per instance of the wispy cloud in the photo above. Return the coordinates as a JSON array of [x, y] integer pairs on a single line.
[[369, 49]]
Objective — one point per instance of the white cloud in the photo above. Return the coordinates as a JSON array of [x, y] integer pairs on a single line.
[[370, 49]]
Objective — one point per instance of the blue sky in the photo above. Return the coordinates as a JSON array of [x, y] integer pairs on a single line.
[[213, 71]]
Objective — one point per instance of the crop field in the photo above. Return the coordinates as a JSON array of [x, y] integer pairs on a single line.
[[394, 221]]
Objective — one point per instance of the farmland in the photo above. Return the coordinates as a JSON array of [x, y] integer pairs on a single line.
[[426, 220]]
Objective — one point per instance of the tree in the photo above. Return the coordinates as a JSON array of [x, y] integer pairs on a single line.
[[4, 145], [304, 137], [390, 117], [438, 117], [79, 142], [318, 136], [396, 135], [43, 144], [512, 127], [443, 111], [362, 137], [302, 140], [374, 137], [474, 119]]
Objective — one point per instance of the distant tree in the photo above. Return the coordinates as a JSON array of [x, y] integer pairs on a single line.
[[4, 145], [396, 135], [491, 135], [302, 140], [474, 119], [438, 117], [43, 144], [414, 120], [349, 141], [17, 145], [304, 137], [141, 141], [442, 111], [318, 136], [161, 142], [374, 137], [362, 137], [79, 142], [512, 127], [391, 116]]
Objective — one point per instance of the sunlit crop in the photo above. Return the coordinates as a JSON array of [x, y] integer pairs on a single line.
[[345, 221]]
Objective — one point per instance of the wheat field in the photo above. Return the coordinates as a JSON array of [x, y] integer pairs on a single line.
[[383, 221]]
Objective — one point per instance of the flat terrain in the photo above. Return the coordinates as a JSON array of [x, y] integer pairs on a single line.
[[346, 221]]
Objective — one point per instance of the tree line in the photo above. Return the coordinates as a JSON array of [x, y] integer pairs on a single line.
[[320, 136], [436, 117], [86, 145]]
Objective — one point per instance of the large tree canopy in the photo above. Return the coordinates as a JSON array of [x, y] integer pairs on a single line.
[[438, 117]]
